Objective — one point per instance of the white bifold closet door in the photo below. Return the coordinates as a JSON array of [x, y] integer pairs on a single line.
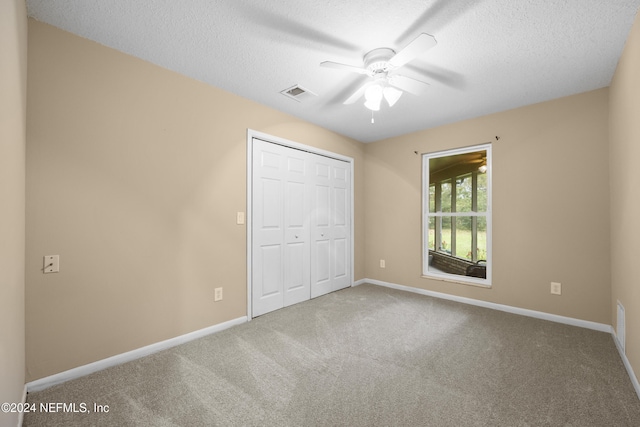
[[301, 226]]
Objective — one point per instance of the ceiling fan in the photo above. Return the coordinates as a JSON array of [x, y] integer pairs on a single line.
[[380, 64]]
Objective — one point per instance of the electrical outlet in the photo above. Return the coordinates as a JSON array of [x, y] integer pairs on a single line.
[[382, 264], [217, 294], [556, 288]]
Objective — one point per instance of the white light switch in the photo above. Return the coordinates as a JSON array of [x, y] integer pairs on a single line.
[[240, 218], [51, 263]]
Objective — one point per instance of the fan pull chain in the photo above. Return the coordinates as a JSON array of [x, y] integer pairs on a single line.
[[372, 121]]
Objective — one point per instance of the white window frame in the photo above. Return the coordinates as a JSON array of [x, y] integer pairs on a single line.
[[426, 215]]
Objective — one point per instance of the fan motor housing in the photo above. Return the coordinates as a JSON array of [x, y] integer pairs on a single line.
[[377, 60]]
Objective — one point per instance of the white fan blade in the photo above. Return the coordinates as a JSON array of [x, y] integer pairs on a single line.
[[345, 67], [358, 93], [420, 44], [408, 84]]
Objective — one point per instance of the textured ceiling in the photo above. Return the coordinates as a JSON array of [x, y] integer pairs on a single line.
[[492, 55]]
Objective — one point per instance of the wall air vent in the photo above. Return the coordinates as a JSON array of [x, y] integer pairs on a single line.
[[298, 93]]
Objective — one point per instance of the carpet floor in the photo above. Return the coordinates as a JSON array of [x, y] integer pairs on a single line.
[[364, 356]]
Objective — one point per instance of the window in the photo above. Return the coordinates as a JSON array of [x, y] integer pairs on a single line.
[[457, 215]]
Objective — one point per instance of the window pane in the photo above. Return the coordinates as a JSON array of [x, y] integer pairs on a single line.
[[445, 197], [432, 198], [482, 192], [464, 237], [431, 241], [464, 193], [482, 239], [445, 234]]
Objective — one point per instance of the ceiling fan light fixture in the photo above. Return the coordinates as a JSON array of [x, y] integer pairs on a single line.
[[375, 93], [373, 105], [373, 96], [392, 95]]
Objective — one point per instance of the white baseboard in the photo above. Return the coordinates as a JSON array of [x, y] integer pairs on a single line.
[[118, 359], [627, 364], [501, 307], [24, 400]]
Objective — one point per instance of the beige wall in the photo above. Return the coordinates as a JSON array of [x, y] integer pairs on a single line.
[[134, 177], [135, 173], [13, 92], [550, 213], [625, 192]]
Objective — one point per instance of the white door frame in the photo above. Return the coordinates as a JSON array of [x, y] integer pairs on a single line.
[[251, 134]]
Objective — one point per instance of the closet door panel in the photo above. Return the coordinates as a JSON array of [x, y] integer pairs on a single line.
[[340, 224], [321, 246], [297, 201], [270, 261], [268, 229]]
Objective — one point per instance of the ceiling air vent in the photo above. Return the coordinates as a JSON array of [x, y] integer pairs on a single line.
[[298, 93]]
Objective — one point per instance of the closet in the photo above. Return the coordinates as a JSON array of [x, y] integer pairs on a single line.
[[300, 239]]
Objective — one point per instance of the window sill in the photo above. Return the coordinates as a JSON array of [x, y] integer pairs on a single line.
[[463, 280]]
